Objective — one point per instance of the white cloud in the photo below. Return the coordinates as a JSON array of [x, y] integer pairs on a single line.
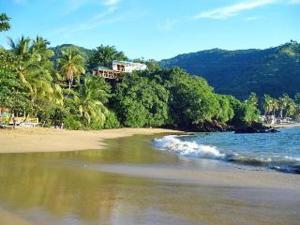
[[94, 22], [232, 10], [107, 15]]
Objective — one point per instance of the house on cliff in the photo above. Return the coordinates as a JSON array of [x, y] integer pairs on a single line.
[[118, 69]]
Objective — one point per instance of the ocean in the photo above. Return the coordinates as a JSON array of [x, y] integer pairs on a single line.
[[275, 151]]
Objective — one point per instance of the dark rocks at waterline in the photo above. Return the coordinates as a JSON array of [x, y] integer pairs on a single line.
[[255, 128], [215, 126], [208, 126]]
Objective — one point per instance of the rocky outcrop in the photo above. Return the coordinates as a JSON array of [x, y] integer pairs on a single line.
[[254, 128], [215, 126]]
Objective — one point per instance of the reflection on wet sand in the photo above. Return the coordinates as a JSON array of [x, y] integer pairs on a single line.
[[63, 188]]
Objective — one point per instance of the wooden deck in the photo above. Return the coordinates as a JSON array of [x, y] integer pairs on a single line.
[[108, 74]]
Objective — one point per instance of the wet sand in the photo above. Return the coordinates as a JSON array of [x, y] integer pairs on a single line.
[[218, 177], [54, 140]]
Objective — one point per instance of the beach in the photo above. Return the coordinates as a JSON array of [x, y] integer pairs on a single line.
[[120, 178], [22, 140]]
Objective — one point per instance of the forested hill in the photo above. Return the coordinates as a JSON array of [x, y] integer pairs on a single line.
[[271, 71], [57, 51]]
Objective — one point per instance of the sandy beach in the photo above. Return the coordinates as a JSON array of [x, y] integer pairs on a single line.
[[23, 140], [64, 186]]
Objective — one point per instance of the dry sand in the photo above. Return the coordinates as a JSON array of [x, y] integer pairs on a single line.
[[23, 140]]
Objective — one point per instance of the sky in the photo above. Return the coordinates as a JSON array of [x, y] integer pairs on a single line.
[[156, 29]]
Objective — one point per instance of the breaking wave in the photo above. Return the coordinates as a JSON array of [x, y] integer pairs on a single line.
[[186, 148], [193, 149]]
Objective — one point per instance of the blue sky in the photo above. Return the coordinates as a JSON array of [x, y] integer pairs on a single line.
[[156, 28]]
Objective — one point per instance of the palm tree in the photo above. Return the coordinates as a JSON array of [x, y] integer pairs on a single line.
[[4, 22], [290, 106], [271, 105], [275, 105], [268, 104], [21, 47], [71, 64], [253, 99], [40, 43], [104, 55], [40, 49], [283, 103], [92, 95], [291, 109], [34, 70]]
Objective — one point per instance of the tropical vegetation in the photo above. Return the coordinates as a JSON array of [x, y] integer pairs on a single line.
[[4, 22], [56, 85], [283, 107], [272, 71]]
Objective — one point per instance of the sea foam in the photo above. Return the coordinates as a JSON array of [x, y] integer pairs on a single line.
[[192, 148], [187, 148]]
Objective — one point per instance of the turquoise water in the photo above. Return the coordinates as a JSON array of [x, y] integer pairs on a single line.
[[278, 151]]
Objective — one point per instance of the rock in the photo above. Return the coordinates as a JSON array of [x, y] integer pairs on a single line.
[[213, 126], [255, 128]]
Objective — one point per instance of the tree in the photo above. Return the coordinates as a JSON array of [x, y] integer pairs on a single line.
[[111, 121], [251, 111], [283, 103], [104, 55], [42, 52], [271, 71], [141, 102], [225, 112], [21, 48], [12, 92], [87, 104], [71, 64], [34, 69], [297, 99], [252, 99], [4, 22], [270, 105], [289, 105], [267, 104], [245, 113], [192, 101]]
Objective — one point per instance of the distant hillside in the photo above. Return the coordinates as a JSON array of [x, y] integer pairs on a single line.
[[272, 71], [84, 51]]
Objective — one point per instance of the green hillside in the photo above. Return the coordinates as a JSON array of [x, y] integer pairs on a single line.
[[271, 71], [84, 51]]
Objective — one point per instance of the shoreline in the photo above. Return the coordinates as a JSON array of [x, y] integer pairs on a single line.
[[203, 172], [218, 173], [129, 173], [29, 140]]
